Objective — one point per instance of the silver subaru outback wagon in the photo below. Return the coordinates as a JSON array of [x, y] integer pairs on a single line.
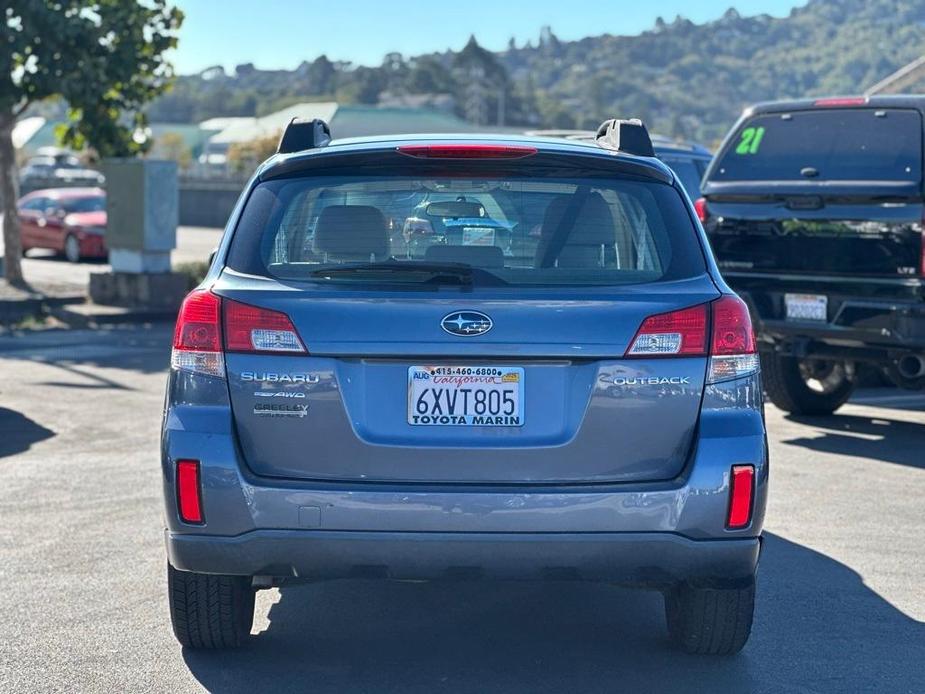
[[456, 357]]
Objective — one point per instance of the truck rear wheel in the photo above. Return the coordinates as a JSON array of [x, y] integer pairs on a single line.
[[710, 621], [807, 386], [210, 611]]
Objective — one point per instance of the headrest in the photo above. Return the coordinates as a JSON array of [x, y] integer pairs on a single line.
[[477, 256], [352, 232]]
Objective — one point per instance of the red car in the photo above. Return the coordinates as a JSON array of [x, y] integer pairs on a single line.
[[68, 220]]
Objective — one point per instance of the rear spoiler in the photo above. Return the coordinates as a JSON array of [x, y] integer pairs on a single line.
[[300, 135], [628, 136]]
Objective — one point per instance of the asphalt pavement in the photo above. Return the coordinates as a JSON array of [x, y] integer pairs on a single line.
[[841, 597]]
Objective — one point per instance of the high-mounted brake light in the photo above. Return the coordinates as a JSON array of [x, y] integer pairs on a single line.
[[741, 493], [700, 207], [679, 333], [841, 101], [189, 491], [197, 339], [255, 329], [463, 151]]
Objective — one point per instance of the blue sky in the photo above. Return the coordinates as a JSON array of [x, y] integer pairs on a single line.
[[283, 33]]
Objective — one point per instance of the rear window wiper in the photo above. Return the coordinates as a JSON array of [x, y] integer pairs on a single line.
[[430, 273]]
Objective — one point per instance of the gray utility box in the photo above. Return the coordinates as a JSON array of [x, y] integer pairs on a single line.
[[142, 212], [142, 203]]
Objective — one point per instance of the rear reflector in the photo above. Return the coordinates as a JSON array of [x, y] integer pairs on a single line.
[[741, 491], [197, 342], [189, 498], [254, 329], [841, 101], [679, 333], [476, 151]]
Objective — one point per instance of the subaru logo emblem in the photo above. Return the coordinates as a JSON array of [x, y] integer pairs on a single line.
[[466, 323]]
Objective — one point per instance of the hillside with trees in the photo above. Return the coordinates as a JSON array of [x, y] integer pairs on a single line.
[[687, 80]]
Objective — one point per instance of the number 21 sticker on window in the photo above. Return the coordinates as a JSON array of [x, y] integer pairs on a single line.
[[466, 396]]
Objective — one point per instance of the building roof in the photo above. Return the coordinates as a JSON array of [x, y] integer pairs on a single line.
[[248, 129]]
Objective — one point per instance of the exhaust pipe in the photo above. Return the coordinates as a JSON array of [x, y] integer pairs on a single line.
[[911, 366]]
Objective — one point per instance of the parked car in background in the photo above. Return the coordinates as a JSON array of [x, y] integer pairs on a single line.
[[589, 410], [71, 221], [814, 211], [688, 160], [53, 167]]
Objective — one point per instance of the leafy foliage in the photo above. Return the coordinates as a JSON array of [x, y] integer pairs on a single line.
[[685, 79], [105, 58]]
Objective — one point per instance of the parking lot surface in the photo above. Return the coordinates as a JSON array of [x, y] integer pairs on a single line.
[[841, 604], [47, 267]]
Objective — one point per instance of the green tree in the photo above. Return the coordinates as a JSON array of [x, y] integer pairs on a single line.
[[105, 58]]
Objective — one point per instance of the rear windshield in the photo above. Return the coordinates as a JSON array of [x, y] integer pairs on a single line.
[[834, 145], [475, 231]]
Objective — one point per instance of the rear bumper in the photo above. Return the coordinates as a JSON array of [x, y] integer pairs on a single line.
[[871, 325], [648, 559]]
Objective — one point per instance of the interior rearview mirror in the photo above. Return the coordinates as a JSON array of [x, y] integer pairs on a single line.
[[455, 209]]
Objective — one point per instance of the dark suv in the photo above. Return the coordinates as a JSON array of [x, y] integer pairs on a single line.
[[814, 212]]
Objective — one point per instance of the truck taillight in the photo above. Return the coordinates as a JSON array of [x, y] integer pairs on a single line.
[[700, 207], [721, 329], [922, 251], [197, 338]]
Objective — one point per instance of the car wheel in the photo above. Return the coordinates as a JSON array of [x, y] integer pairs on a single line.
[[807, 386], [210, 611], [72, 249], [710, 621]]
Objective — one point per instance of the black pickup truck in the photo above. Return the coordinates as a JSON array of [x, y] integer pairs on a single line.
[[815, 212]]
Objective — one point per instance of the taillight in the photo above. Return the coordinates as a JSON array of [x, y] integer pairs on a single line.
[[922, 251], [464, 151], [255, 329], [741, 493], [683, 333], [732, 345], [189, 491], [197, 341], [700, 207], [679, 333]]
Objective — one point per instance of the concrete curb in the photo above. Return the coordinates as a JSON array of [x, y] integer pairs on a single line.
[[87, 315]]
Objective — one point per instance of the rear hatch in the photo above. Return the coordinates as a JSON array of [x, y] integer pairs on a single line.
[[500, 360], [832, 194]]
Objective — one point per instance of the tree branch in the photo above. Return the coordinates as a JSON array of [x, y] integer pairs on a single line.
[[21, 109]]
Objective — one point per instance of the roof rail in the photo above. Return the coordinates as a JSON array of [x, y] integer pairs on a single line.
[[628, 136], [300, 135]]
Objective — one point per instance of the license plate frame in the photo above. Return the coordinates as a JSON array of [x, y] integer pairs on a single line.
[[434, 394], [806, 307]]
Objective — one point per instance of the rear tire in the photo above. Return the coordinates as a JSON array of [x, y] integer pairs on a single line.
[[72, 249], [710, 621], [210, 611], [807, 386]]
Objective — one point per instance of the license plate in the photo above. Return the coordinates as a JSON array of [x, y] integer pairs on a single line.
[[806, 306], [490, 396], [478, 236]]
